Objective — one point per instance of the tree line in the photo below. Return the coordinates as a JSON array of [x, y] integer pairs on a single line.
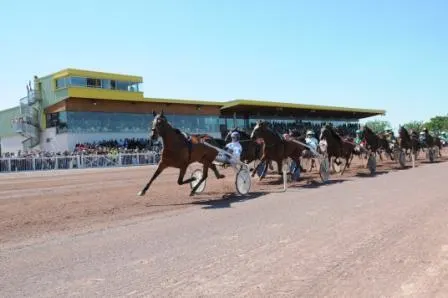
[[436, 124]]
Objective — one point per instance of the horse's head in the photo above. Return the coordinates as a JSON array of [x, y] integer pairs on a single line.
[[295, 133], [325, 132], [403, 133], [259, 129], [159, 125]]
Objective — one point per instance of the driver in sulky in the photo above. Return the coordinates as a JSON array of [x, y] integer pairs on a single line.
[[234, 148]]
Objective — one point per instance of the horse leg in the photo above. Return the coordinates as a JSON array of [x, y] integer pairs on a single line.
[[159, 170], [347, 161], [351, 159], [263, 159], [217, 173], [180, 179], [279, 167], [256, 167], [264, 170], [312, 164], [204, 176]]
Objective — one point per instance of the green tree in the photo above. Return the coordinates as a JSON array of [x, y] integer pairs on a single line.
[[438, 124], [378, 126], [414, 125]]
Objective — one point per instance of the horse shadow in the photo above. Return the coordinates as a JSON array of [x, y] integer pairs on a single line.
[[317, 183], [228, 199], [224, 202], [429, 162], [368, 175]]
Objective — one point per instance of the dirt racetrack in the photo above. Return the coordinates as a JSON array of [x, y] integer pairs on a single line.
[[34, 204]]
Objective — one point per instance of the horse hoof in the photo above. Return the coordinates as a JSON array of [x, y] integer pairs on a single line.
[[141, 193], [221, 176], [191, 194]]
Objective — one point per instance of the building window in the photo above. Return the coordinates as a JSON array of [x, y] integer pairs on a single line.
[[61, 83], [93, 83], [78, 81], [100, 83]]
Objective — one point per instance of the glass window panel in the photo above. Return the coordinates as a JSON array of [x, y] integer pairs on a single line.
[[120, 85], [136, 123], [93, 83], [78, 81], [106, 84], [61, 83]]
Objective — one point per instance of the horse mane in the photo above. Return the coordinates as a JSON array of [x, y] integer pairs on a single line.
[[402, 131], [368, 129], [334, 133]]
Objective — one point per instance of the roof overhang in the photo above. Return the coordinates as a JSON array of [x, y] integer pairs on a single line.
[[97, 75], [266, 108]]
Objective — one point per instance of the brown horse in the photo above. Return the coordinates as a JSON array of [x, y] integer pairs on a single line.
[[375, 142], [438, 143], [408, 143], [337, 147], [179, 152], [275, 147], [429, 141]]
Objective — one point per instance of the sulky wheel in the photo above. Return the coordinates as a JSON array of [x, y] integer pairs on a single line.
[[243, 181], [430, 154], [197, 174], [436, 152], [371, 164], [324, 169], [402, 158]]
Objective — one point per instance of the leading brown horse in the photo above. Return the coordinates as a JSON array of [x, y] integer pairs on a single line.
[[179, 152], [276, 148]]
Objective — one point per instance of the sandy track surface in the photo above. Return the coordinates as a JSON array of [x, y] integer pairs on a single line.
[[36, 204], [367, 237]]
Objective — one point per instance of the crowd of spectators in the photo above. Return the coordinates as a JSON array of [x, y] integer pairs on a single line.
[[96, 154], [344, 129]]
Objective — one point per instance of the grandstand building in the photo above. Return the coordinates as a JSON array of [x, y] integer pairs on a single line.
[[74, 106]]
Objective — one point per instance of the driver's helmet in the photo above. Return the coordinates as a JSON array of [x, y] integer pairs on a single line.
[[422, 133], [235, 136], [358, 131], [310, 133]]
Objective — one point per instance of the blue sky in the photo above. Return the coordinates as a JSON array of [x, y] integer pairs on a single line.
[[374, 54]]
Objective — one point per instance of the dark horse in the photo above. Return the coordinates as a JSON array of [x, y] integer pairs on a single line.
[[179, 152], [438, 143], [337, 147], [275, 147], [408, 143], [375, 142], [430, 141]]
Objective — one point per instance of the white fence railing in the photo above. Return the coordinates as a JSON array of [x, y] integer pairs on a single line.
[[77, 162]]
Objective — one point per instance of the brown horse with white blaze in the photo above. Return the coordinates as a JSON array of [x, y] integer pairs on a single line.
[[179, 152]]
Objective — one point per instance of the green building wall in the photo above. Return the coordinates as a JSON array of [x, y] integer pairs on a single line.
[[6, 116]]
